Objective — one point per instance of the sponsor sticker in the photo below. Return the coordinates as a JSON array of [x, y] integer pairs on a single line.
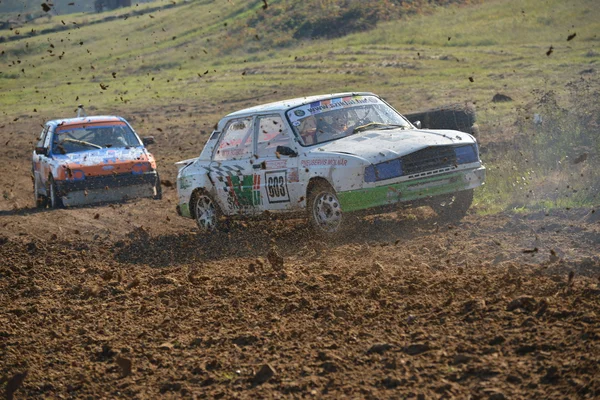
[[293, 175], [340, 162], [243, 192], [275, 164], [321, 106]]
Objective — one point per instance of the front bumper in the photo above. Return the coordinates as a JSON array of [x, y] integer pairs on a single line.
[[107, 188], [410, 190], [183, 210]]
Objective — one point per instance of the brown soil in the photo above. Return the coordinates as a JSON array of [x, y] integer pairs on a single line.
[[128, 300]]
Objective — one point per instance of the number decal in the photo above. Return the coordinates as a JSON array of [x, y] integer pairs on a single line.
[[277, 191], [276, 186]]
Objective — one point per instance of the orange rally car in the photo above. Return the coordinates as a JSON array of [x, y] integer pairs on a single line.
[[88, 160]]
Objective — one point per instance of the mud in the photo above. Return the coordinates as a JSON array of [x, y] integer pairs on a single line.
[[130, 301]]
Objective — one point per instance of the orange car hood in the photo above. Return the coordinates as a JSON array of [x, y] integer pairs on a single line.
[[107, 161]]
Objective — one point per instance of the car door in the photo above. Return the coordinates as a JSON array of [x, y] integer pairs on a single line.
[[231, 168], [276, 164]]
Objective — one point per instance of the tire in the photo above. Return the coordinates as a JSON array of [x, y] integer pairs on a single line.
[[40, 201], [158, 188], [325, 215], [206, 212], [459, 117], [55, 199], [453, 208]]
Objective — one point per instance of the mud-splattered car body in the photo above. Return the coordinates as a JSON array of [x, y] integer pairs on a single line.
[[329, 155], [88, 160]]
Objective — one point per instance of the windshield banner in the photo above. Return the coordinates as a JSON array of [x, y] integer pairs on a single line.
[[318, 107]]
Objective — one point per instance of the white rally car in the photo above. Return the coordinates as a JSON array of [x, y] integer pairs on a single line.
[[324, 157]]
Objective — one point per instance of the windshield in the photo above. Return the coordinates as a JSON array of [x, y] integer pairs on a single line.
[[335, 118], [96, 136]]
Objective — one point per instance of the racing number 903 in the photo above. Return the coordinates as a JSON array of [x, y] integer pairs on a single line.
[[276, 186]]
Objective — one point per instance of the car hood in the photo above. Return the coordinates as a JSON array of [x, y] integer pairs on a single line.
[[107, 161], [380, 145]]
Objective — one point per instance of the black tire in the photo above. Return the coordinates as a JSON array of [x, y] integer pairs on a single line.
[[452, 208], [459, 117], [55, 199], [325, 215], [158, 188], [206, 212], [40, 200]]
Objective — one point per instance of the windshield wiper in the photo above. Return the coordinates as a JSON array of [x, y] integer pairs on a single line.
[[81, 142], [376, 125]]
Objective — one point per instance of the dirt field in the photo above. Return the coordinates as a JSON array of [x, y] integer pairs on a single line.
[[129, 301]]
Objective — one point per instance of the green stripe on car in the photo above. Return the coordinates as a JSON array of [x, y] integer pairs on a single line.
[[355, 200]]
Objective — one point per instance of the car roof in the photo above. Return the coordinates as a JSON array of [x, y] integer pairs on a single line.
[[291, 103], [83, 120]]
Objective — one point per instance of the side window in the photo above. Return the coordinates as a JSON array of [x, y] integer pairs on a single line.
[[236, 141], [272, 132]]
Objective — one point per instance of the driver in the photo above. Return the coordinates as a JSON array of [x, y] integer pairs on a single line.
[[308, 130], [337, 125], [110, 137], [340, 124]]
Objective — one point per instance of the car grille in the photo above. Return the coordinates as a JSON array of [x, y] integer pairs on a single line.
[[427, 159]]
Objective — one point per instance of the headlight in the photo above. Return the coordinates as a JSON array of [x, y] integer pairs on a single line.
[[140, 168], [466, 154], [370, 174], [384, 170]]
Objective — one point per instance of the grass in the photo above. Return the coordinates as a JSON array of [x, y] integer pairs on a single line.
[[551, 163], [152, 61], [170, 51]]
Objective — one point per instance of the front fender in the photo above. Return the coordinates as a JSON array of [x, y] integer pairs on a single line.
[[343, 171]]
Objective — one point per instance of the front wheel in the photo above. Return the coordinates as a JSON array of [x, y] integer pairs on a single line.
[[325, 214], [40, 200], [55, 200], [206, 212], [452, 208], [157, 188]]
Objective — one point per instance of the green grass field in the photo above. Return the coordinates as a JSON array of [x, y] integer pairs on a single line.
[[200, 56]]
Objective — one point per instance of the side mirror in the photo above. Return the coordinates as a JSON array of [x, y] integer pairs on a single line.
[[148, 140], [417, 124], [286, 151], [41, 150]]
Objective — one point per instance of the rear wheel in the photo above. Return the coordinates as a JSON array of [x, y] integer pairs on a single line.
[[206, 212], [324, 210], [55, 199], [452, 208]]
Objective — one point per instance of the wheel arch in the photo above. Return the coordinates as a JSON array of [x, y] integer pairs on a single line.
[[315, 181]]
